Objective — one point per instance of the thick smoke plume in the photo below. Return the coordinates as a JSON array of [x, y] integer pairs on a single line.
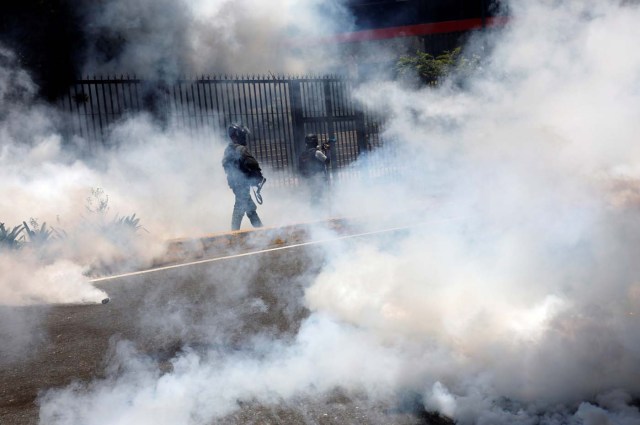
[[180, 189], [167, 39], [513, 300], [530, 287]]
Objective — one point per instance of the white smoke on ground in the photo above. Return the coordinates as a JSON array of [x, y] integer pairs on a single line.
[[61, 281], [531, 286], [201, 388], [30, 180], [167, 39], [515, 301], [170, 179]]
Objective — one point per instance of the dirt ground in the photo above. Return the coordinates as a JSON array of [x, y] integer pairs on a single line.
[[72, 342]]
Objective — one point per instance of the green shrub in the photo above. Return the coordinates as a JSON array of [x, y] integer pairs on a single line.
[[117, 229], [129, 222], [37, 234], [120, 229], [431, 70], [9, 239]]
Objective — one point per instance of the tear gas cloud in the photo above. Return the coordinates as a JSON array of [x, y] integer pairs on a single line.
[[45, 183], [177, 194], [170, 38], [524, 267], [514, 298]]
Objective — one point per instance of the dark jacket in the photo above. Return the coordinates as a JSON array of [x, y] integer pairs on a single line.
[[310, 165], [241, 167]]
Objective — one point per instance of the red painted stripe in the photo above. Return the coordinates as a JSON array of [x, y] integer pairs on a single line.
[[414, 30]]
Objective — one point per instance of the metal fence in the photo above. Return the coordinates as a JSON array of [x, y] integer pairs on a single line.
[[278, 110]]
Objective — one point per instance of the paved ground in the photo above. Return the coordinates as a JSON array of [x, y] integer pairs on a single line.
[[72, 341]]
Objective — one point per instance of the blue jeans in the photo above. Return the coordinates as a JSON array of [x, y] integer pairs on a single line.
[[244, 205]]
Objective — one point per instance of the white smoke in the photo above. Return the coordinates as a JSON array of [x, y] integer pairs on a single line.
[[171, 38], [200, 389], [514, 300], [530, 285], [48, 187]]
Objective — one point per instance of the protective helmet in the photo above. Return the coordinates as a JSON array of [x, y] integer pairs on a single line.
[[311, 140], [238, 133]]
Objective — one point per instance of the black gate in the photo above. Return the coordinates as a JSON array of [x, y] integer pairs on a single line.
[[278, 110]]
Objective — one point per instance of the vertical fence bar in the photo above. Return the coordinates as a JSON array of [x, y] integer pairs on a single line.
[[283, 152], [76, 99], [196, 108], [194, 121], [182, 106], [231, 96], [113, 108], [136, 91], [242, 100], [328, 105], [132, 108], [89, 108], [224, 92], [257, 108], [275, 117], [106, 112], [297, 118], [271, 115], [237, 102], [246, 92], [201, 111], [280, 157], [208, 103], [190, 107], [261, 108], [219, 105]]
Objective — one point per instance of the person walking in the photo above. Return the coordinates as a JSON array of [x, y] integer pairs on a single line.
[[243, 171]]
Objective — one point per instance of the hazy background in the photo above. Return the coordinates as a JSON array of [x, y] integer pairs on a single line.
[[514, 299]]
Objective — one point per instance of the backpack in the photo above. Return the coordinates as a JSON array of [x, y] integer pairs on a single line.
[[305, 162]]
